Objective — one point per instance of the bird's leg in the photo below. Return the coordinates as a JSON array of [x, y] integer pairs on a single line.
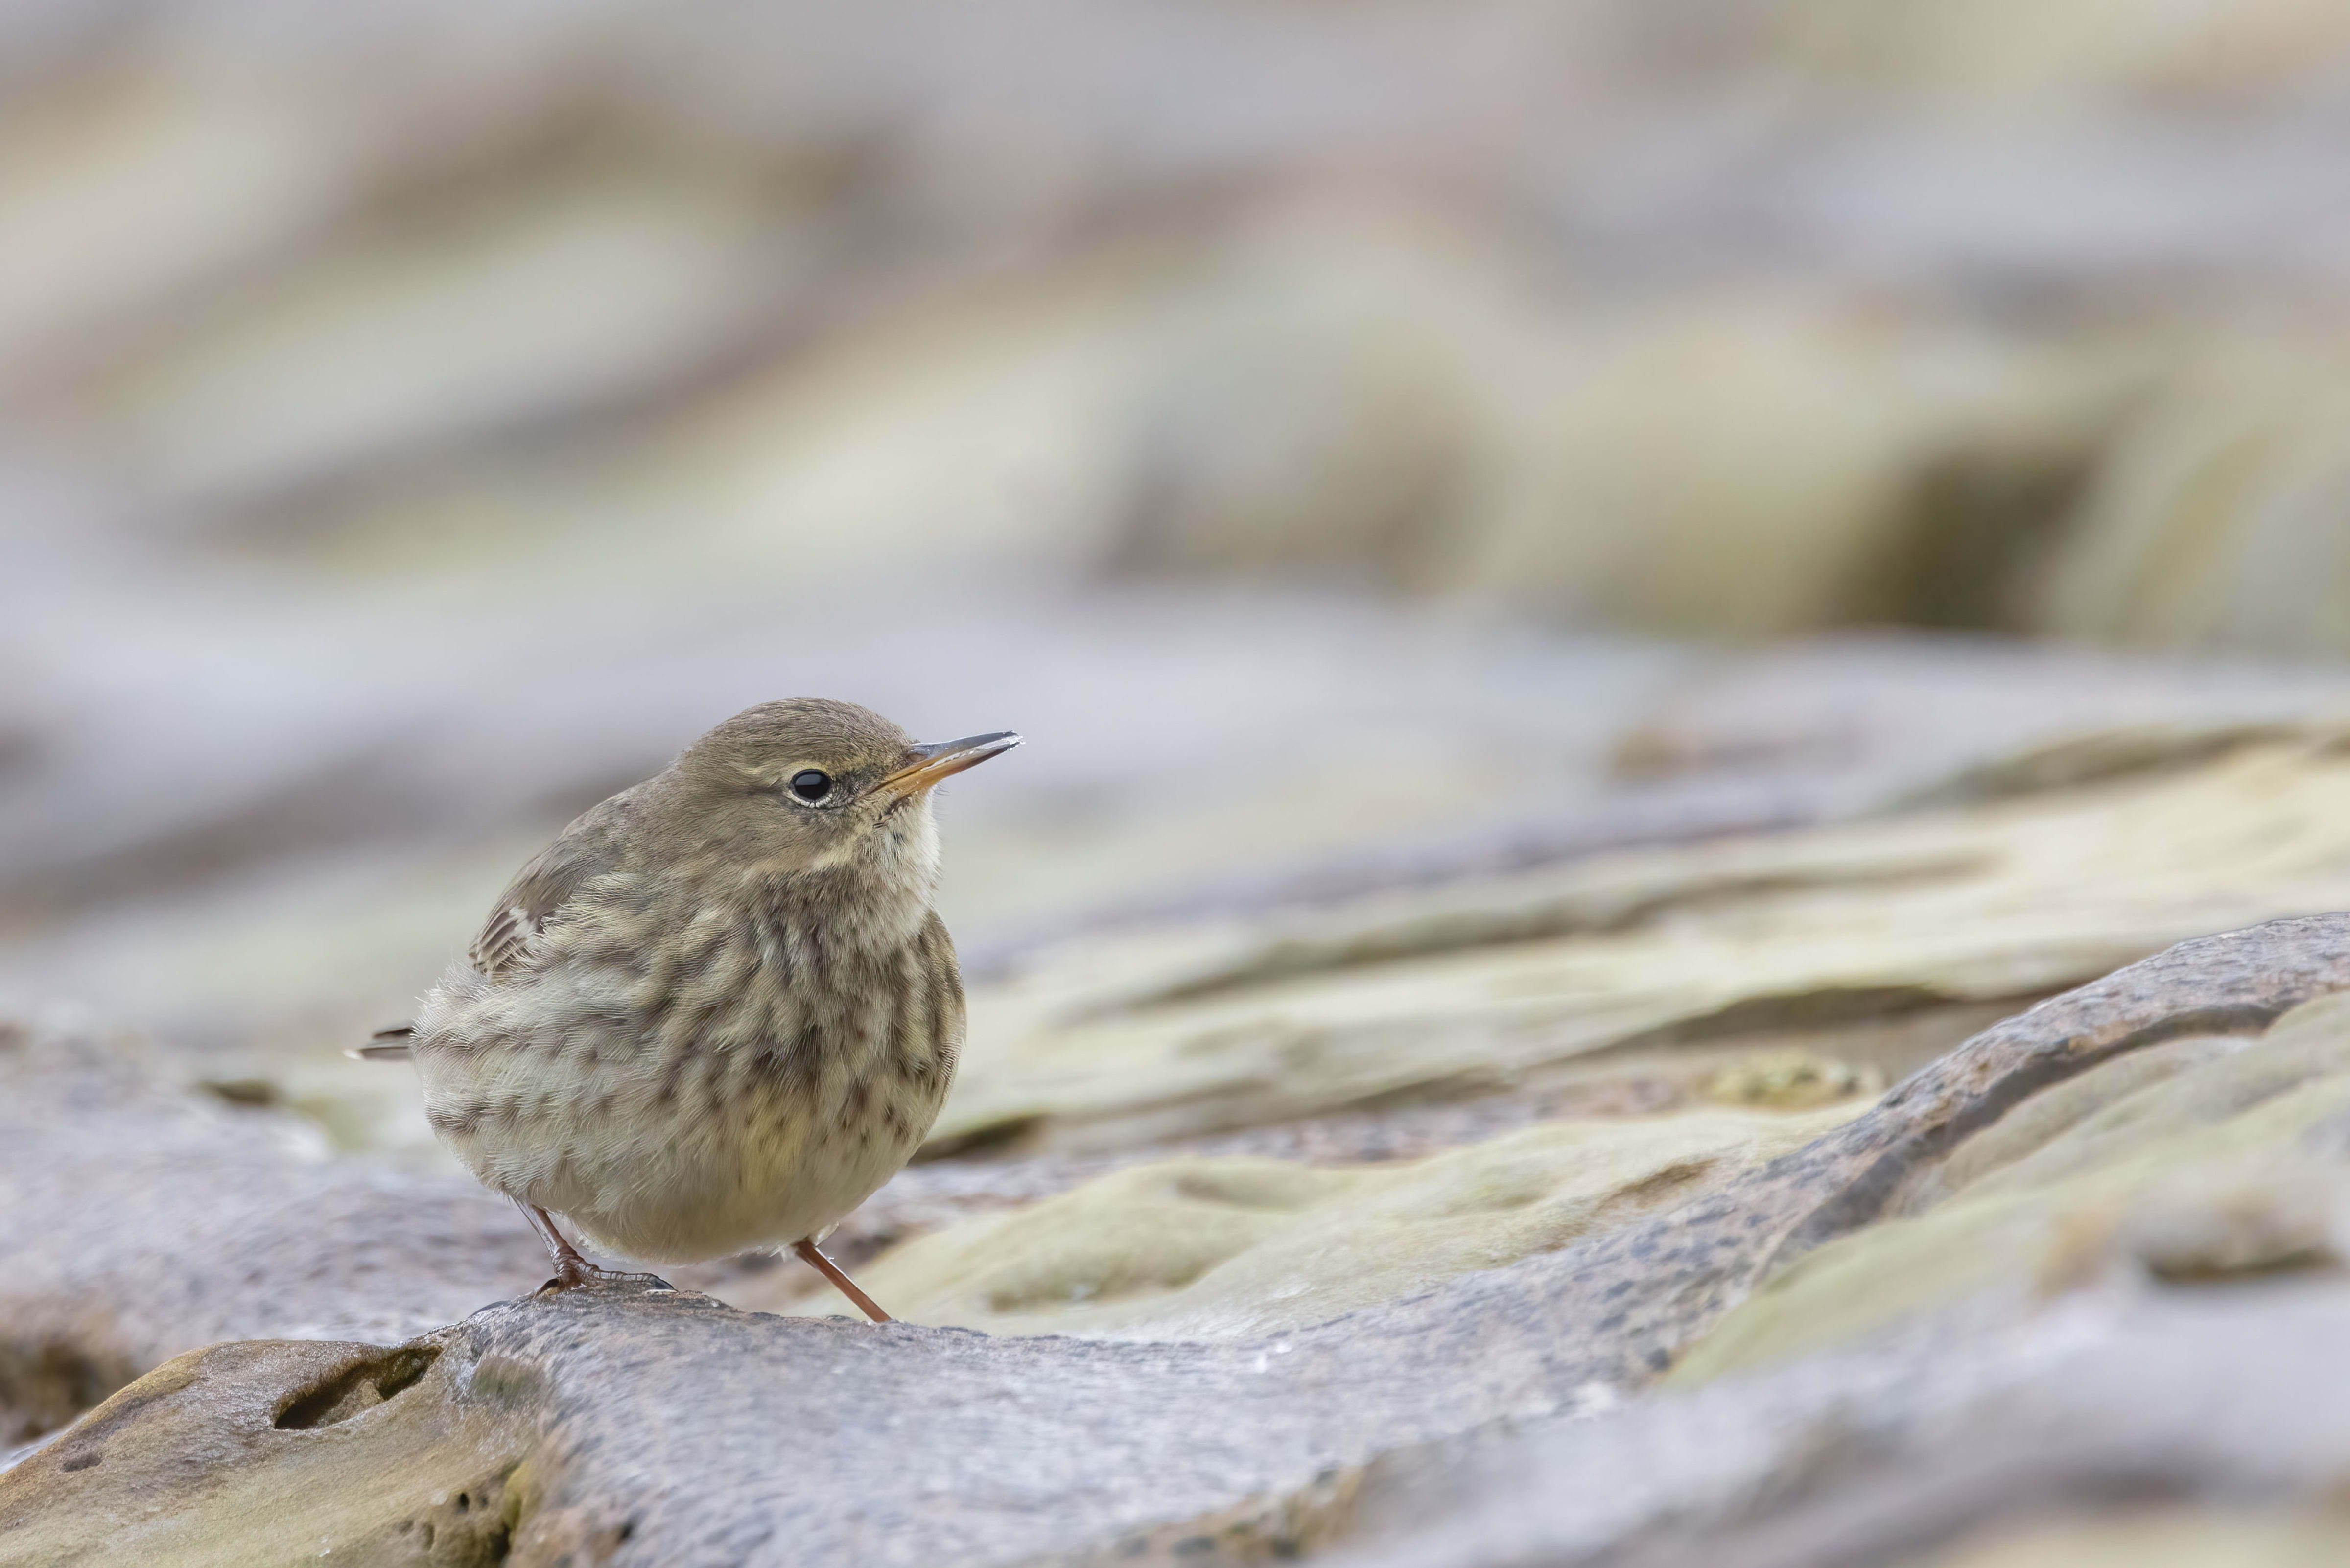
[[813, 1256], [571, 1270]]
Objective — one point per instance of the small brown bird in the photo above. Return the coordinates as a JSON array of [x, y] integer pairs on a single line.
[[718, 1011]]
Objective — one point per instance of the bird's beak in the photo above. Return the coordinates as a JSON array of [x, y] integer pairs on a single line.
[[944, 759]]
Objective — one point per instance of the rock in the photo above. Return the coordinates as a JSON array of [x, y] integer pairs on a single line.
[[1989, 56], [126, 187], [2186, 1427], [2101, 756], [2199, 528], [406, 348], [1751, 462], [1915, 719], [300, 1449], [1331, 407], [1230, 1248], [142, 1221], [1404, 414], [2158, 1536], [1761, 463], [1185, 1449], [2187, 1165], [1877, 944]]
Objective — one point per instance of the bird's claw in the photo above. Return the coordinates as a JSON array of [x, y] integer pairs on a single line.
[[588, 1276]]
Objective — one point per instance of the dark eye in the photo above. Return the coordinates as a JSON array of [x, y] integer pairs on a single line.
[[811, 786]]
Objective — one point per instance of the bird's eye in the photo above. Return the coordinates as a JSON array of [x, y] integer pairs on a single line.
[[811, 786]]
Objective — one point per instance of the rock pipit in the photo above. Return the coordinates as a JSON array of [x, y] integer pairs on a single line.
[[719, 1010]]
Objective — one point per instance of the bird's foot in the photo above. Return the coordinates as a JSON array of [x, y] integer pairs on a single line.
[[573, 1272], [578, 1274]]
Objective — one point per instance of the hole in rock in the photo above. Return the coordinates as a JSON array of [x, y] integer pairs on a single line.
[[356, 1387], [475, 1527]]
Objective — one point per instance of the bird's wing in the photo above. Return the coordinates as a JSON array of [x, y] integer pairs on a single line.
[[521, 913], [529, 901]]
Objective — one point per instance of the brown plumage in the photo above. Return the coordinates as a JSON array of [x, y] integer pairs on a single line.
[[718, 1011]]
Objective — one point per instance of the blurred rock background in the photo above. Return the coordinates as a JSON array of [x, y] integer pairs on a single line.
[[1324, 429]]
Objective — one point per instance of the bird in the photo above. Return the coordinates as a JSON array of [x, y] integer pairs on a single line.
[[719, 1010]]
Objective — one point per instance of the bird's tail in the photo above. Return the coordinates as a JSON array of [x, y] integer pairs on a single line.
[[384, 1045]]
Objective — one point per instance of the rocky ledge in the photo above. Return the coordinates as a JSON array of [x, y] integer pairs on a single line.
[[2086, 1264]]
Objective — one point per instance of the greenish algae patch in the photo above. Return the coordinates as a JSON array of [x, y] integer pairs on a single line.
[[1229, 1247]]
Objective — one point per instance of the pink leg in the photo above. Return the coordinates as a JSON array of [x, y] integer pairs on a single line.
[[814, 1259]]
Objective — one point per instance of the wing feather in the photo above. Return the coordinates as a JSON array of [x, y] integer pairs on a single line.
[[523, 911], [538, 891]]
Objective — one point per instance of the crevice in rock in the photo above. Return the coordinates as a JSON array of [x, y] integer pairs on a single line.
[[2106, 756], [1284, 958], [358, 1386], [1819, 1007]]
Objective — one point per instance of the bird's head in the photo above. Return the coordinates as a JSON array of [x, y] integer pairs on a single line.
[[807, 785]]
